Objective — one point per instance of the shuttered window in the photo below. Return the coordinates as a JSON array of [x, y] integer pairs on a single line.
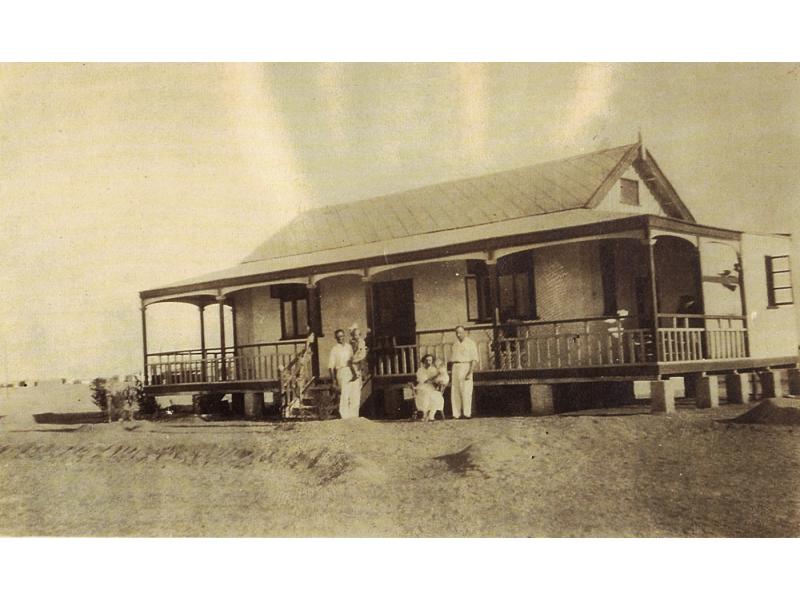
[[779, 281], [517, 300], [629, 189], [294, 310]]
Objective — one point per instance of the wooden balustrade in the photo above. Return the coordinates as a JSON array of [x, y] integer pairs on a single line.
[[683, 337], [592, 341], [248, 362], [571, 343]]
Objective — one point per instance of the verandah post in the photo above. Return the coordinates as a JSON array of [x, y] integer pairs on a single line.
[[222, 366], [203, 365], [145, 377], [653, 290], [494, 298], [314, 324], [369, 304]]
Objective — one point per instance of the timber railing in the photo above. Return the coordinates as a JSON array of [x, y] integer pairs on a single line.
[[572, 343], [246, 362], [685, 337], [589, 341]]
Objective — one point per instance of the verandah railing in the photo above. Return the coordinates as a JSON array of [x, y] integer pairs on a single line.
[[587, 342], [593, 341], [684, 337], [247, 362]]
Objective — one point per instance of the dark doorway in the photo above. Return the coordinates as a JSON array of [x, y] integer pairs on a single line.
[[394, 319]]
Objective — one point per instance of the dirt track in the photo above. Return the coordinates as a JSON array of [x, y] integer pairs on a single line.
[[614, 472]]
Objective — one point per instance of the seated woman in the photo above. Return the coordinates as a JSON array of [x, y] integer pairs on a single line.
[[436, 401], [427, 398]]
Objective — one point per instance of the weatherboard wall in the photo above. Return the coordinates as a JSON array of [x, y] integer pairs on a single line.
[[772, 331]]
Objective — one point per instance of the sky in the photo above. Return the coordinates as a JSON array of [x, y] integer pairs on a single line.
[[116, 178]]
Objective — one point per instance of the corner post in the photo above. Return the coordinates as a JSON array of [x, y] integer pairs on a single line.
[[145, 375], [653, 289], [222, 367]]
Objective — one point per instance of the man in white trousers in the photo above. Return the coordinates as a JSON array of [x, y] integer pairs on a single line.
[[339, 365], [465, 360]]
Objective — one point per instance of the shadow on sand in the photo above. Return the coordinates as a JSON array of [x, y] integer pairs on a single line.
[[78, 418]]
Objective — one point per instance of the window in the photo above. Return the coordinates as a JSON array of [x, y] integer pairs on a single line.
[[294, 310], [629, 192], [479, 298], [515, 292], [608, 274], [779, 281]]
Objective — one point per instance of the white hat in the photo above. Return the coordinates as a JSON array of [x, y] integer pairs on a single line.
[[353, 326]]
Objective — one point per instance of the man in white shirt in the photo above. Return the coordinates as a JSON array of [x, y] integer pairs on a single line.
[[339, 365], [465, 360]]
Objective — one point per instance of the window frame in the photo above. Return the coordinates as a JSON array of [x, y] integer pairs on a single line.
[[622, 198], [290, 294], [769, 263], [513, 265]]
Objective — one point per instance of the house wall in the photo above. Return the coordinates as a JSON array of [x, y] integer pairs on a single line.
[[568, 281], [342, 303], [440, 299], [647, 202], [716, 258], [772, 331], [258, 317]]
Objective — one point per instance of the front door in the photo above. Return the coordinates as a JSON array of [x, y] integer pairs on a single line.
[[394, 321]]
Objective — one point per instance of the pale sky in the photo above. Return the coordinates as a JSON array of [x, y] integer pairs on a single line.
[[118, 178]]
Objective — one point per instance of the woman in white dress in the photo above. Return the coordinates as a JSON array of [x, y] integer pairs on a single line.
[[428, 395]]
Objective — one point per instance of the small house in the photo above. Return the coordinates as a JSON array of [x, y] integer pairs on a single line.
[[585, 270]]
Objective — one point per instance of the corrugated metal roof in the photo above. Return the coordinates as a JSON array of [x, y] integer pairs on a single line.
[[539, 189], [423, 241]]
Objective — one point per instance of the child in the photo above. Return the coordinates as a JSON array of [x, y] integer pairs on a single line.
[[436, 396], [442, 378], [359, 351]]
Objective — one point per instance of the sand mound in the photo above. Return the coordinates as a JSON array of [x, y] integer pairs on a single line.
[[358, 424], [772, 412]]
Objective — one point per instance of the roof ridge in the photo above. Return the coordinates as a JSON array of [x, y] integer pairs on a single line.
[[460, 179], [561, 185]]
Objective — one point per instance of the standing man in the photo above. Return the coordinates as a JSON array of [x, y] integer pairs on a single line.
[[465, 359], [342, 376]]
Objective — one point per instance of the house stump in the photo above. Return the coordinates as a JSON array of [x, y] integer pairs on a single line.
[[254, 405], [770, 384], [707, 392], [541, 399], [737, 388], [662, 396]]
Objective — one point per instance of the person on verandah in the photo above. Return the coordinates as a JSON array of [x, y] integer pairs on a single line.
[[340, 368], [465, 360]]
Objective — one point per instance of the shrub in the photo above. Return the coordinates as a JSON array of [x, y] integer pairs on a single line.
[[125, 402], [99, 393]]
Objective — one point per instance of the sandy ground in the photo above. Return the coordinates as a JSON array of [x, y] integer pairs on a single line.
[[611, 472]]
